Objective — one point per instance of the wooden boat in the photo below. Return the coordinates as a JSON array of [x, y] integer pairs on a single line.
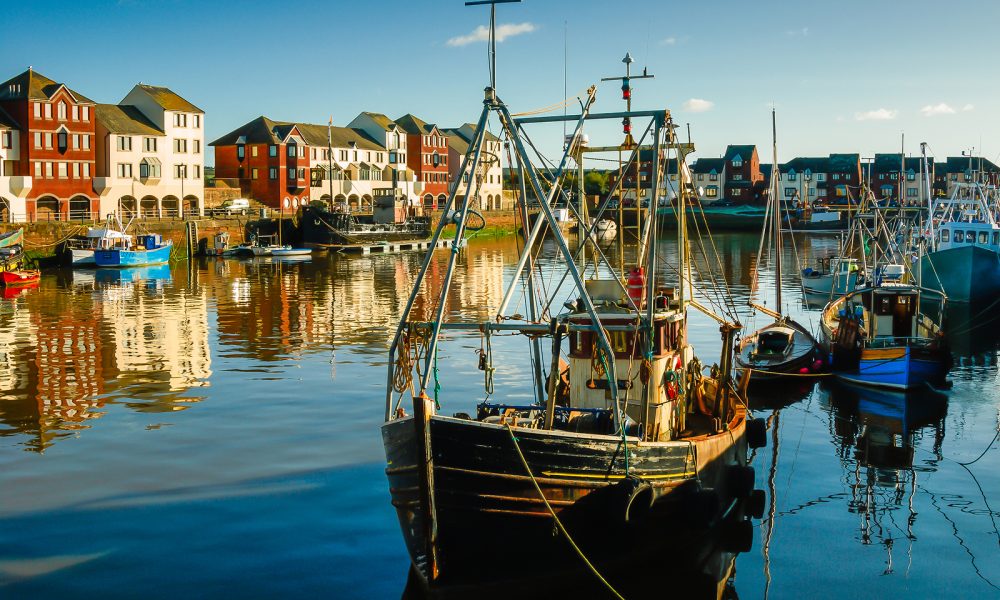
[[877, 336], [834, 276], [151, 250], [20, 278], [628, 443], [782, 348], [14, 237], [323, 228], [289, 251]]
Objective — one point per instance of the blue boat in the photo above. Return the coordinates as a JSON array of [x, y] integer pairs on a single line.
[[150, 249], [878, 337], [133, 274]]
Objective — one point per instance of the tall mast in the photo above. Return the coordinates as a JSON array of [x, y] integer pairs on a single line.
[[329, 157], [777, 212]]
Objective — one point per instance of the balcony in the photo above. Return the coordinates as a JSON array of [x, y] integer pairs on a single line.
[[102, 185]]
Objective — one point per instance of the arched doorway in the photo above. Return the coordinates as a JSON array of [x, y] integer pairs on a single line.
[[192, 206], [489, 202], [366, 202], [4, 210], [127, 206], [441, 200], [79, 208], [428, 201], [148, 207], [352, 200], [170, 206], [47, 209]]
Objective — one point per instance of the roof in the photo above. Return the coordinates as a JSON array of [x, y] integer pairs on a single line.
[[263, 130], [168, 99], [844, 163], [706, 165], [31, 85], [412, 124], [801, 164], [7, 121], [744, 151], [119, 118], [457, 142], [381, 120], [466, 131], [960, 164]]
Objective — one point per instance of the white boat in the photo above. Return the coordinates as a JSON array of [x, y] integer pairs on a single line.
[[289, 251], [835, 276], [80, 251]]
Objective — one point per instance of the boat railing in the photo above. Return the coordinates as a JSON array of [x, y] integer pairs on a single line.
[[897, 342]]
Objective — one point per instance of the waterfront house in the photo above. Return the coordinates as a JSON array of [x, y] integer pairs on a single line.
[[150, 156], [709, 178], [489, 179], [964, 169], [427, 156], [743, 178], [48, 175]]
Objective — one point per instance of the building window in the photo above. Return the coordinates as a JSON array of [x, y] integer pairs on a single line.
[[48, 111], [86, 170], [38, 138], [302, 173], [273, 172], [911, 192], [86, 141], [76, 113], [734, 177], [38, 167], [712, 191], [197, 172], [63, 170], [713, 176], [197, 146], [8, 140], [240, 151], [180, 120], [735, 193], [791, 176], [76, 170], [149, 144], [789, 192], [62, 141], [291, 150], [272, 151], [48, 139], [253, 173], [76, 141], [911, 176], [737, 163], [180, 171], [37, 110], [48, 169], [180, 146], [61, 111], [253, 151], [85, 112], [197, 120], [124, 143], [291, 173], [124, 171]]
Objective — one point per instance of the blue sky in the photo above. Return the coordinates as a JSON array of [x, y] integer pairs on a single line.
[[845, 76]]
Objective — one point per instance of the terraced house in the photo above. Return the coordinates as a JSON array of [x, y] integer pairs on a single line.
[[150, 156], [47, 139]]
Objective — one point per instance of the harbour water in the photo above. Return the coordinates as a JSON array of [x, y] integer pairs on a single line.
[[213, 429]]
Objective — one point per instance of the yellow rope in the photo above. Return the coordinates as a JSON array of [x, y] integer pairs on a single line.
[[559, 524], [552, 107]]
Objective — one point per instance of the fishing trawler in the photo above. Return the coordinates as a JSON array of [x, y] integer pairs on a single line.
[[389, 221], [784, 347], [627, 441]]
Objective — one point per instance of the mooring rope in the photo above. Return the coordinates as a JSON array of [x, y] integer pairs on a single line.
[[558, 522]]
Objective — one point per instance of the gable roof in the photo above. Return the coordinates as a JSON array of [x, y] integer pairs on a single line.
[[844, 163], [800, 164], [412, 124], [7, 121], [263, 130], [168, 99], [119, 118], [744, 151], [457, 142], [381, 120], [31, 85], [706, 165], [960, 164], [466, 131]]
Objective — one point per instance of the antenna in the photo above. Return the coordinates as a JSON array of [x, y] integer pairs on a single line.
[[627, 95], [493, 34]]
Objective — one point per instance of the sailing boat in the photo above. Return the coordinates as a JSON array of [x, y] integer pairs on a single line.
[[783, 347], [627, 445]]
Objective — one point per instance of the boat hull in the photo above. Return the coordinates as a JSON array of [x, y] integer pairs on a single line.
[[322, 228], [897, 368], [800, 360], [830, 284], [488, 510], [133, 258], [13, 279], [722, 218], [966, 273], [80, 257]]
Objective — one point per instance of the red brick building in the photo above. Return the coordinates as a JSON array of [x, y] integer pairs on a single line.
[[55, 160], [743, 178], [427, 156]]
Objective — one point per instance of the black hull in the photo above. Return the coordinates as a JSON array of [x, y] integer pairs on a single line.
[[802, 357], [322, 228], [488, 512]]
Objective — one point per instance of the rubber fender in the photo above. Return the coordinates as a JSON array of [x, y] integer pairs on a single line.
[[756, 433], [740, 481], [703, 507], [738, 536], [755, 504], [637, 496]]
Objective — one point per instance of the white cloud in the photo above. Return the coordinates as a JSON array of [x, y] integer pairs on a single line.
[[968, 107], [670, 41], [937, 109], [698, 105], [482, 33], [803, 32], [879, 114]]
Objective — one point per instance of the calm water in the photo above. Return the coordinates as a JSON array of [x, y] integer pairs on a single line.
[[213, 430]]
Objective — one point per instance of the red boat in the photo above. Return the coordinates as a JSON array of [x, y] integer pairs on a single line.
[[20, 278]]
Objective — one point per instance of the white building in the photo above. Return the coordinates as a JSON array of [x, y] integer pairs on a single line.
[[11, 198], [490, 172], [150, 155]]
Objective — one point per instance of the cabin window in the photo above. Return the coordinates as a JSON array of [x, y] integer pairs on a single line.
[[959, 236], [996, 238], [970, 237], [944, 235], [984, 237]]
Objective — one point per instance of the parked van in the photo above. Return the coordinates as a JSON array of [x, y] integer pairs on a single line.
[[233, 206]]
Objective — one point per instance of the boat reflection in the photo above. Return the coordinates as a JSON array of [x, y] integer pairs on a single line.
[[878, 431]]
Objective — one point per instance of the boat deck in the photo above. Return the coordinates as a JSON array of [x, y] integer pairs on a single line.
[[385, 248]]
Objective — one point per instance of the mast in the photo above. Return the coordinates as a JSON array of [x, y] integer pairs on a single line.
[[329, 157], [777, 213]]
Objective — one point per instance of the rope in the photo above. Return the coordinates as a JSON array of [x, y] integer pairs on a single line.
[[965, 464], [553, 107], [555, 517]]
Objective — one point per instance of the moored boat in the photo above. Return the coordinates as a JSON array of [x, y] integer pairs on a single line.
[[626, 442], [149, 250], [20, 278], [323, 228]]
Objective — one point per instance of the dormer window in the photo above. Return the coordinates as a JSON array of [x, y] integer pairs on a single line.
[[240, 151], [808, 175], [62, 140], [61, 110], [792, 176], [737, 162], [292, 151]]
